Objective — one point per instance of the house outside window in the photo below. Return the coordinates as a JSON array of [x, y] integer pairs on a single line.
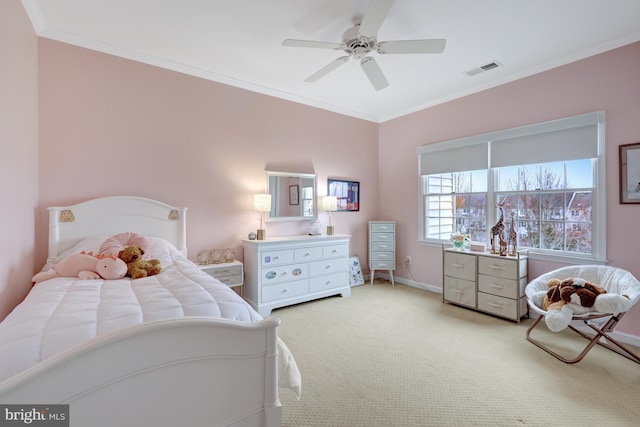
[[548, 178]]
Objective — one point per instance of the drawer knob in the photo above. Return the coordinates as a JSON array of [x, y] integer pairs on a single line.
[[495, 285], [496, 267], [285, 290], [458, 265]]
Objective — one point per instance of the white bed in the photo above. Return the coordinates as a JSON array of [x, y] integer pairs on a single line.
[[179, 348]]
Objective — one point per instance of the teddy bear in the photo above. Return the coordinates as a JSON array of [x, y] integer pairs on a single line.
[[85, 266], [571, 296], [136, 266]]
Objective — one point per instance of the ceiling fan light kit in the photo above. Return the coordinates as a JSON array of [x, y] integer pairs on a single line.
[[359, 40]]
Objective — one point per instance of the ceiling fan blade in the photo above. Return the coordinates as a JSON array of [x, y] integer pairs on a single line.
[[327, 69], [373, 17], [412, 46], [311, 43], [374, 73]]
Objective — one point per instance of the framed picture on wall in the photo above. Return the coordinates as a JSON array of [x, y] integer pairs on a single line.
[[347, 193], [294, 194], [629, 155]]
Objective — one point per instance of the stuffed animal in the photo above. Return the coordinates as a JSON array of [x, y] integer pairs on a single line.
[[85, 266], [571, 296], [136, 266]]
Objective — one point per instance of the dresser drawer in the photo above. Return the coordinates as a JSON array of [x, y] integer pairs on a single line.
[[382, 265], [335, 251], [284, 273], [277, 257], [382, 256], [459, 291], [382, 237], [284, 290], [219, 272], [500, 306], [382, 246], [460, 266], [327, 266], [498, 267], [308, 254], [329, 281], [507, 288], [231, 280], [388, 227]]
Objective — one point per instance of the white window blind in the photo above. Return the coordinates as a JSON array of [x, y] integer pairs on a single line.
[[443, 158], [565, 139], [560, 145]]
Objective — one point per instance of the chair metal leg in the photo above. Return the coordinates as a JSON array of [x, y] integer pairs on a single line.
[[593, 340]]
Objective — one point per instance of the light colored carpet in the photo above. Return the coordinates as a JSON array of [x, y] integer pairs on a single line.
[[398, 356]]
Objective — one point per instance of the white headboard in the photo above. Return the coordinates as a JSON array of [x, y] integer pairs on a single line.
[[113, 215]]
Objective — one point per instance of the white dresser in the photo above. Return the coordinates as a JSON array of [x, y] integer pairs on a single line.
[[281, 271], [486, 282], [382, 247]]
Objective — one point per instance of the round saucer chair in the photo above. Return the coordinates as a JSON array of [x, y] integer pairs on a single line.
[[595, 327]]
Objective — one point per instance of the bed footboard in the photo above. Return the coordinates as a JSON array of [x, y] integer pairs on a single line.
[[189, 372]]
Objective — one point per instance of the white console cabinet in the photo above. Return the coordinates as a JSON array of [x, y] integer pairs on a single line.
[[282, 271]]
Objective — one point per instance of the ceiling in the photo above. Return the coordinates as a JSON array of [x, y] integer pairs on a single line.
[[238, 42]]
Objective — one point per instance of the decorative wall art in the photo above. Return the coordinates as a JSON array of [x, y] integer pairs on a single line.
[[347, 192], [294, 194], [629, 173]]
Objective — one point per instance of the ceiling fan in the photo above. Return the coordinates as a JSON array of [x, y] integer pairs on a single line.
[[361, 39]]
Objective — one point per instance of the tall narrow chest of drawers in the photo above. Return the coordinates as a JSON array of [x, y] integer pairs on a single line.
[[282, 271], [382, 247], [486, 282]]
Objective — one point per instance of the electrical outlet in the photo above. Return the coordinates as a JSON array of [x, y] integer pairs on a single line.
[[407, 260]]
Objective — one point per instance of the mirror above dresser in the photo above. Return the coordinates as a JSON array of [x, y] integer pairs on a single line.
[[292, 196]]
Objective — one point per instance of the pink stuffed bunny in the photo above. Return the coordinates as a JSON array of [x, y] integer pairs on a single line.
[[86, 266]]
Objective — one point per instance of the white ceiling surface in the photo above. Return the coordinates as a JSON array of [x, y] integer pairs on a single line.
[[238, 42]]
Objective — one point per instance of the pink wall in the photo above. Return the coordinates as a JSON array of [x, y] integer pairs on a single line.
[[19, 160], [112, 126], [610, 82]]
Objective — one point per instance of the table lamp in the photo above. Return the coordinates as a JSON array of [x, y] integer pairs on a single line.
[[262, 204], [330, 204]]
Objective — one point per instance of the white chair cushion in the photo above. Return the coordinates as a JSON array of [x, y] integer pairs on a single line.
[[615, 280]]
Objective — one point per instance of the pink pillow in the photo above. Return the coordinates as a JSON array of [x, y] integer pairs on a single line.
[[115, 244]]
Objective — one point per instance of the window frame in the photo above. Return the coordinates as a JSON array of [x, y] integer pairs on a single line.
[[598, 213]]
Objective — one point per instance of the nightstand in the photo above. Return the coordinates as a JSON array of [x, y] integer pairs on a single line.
[[229, 273]]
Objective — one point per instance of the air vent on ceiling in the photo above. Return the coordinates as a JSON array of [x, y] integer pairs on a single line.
[[483, 68]]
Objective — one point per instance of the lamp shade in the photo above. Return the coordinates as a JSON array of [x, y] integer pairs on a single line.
[[330, 203], [262, 202]]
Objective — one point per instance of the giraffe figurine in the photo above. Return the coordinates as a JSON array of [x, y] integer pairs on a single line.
[[497, 230], [513, 236], [503, 246]]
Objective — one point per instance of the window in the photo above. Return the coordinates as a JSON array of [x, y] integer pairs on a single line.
[[548, 178]]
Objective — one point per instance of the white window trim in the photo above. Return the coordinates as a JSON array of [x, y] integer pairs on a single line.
[[599, 212]]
